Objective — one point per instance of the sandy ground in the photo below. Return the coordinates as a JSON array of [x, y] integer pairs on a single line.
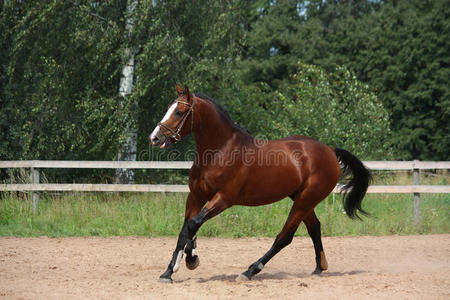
[[398, 267]]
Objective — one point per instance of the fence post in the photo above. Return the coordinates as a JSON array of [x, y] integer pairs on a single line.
[[35, 180], [416, 181]]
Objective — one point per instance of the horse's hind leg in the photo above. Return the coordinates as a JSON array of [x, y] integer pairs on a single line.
[[282, 240], [303, 206], [313, 225]]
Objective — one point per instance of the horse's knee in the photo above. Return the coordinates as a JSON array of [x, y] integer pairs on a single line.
[[192, 228], [194, 224]]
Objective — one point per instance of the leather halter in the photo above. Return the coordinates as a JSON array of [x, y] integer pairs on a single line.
[[175, 133]]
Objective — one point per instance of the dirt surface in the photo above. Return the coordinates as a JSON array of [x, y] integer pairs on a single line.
[[398, 267]]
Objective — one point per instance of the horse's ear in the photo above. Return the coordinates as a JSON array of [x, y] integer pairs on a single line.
[[179, 89], [188, 94]]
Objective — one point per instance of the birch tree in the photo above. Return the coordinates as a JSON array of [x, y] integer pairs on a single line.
[[128, 149]]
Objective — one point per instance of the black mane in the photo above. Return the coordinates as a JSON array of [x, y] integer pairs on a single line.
[[216, 104], [221, 109]]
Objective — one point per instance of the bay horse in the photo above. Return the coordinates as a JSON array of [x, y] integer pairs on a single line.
[[234, 168]]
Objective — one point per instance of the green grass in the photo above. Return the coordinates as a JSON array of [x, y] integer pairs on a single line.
[[157, 214]]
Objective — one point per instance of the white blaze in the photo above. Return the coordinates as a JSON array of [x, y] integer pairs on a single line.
[[169, 112], [166, 117]]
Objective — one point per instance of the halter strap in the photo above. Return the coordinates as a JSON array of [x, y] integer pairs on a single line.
[[175, 133]]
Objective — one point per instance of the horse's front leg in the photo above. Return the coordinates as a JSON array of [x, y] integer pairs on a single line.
[[192, 260], [190, 227], [177, 255], [193, 207]]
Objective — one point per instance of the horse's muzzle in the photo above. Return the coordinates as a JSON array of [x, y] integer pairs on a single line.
[[157, 139]]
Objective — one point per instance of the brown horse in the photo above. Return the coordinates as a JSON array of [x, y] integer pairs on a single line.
[[234, 168]]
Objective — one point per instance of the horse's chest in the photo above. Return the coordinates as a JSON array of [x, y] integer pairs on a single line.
[[207, 183]]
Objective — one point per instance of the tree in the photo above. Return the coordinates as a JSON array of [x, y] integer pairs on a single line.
[[271, 53], [62, 62], [399, 48], [403, 53], [334, 108], [60, 81], [128, 149], [193, 44], [282, 32]]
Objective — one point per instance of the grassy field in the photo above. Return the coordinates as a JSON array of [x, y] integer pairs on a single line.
[[157, 214]]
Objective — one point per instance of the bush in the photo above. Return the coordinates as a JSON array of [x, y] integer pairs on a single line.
[[333, 108]]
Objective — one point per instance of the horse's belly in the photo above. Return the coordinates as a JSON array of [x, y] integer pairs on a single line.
[[269, 187], [257, 200]]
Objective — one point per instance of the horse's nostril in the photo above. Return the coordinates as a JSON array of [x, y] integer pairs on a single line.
[[154, 140]]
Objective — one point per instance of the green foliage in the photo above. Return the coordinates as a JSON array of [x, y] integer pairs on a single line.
[[61, 65], [403, 53], [59, 100], [182, 42], [270, 55], [399, 48], [333, 108]]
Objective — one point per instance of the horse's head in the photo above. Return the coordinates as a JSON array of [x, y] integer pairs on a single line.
[[177, 122]]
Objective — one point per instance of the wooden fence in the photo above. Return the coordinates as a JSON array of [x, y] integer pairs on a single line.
[[35, 185]]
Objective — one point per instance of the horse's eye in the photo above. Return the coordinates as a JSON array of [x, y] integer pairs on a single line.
[[178, 113]]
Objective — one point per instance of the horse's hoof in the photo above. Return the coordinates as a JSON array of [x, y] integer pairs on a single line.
[[242, 278], [317, 272], [165, 280], [192, 263]]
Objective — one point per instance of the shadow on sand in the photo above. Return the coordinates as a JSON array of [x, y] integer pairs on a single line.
[[278, 276]]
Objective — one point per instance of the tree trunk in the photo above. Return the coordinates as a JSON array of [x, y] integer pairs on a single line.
[[127, 150]]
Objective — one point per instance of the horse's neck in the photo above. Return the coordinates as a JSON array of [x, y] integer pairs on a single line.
[[212, 130]]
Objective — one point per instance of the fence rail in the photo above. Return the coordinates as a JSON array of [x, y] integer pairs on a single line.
[[75, 164], [69, 164], [181, 188], [36, 186]]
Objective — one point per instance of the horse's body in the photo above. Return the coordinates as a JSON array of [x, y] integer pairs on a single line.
[[263, 169], [234, 168]]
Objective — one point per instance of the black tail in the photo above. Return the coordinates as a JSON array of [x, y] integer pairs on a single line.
[[356, 186]]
